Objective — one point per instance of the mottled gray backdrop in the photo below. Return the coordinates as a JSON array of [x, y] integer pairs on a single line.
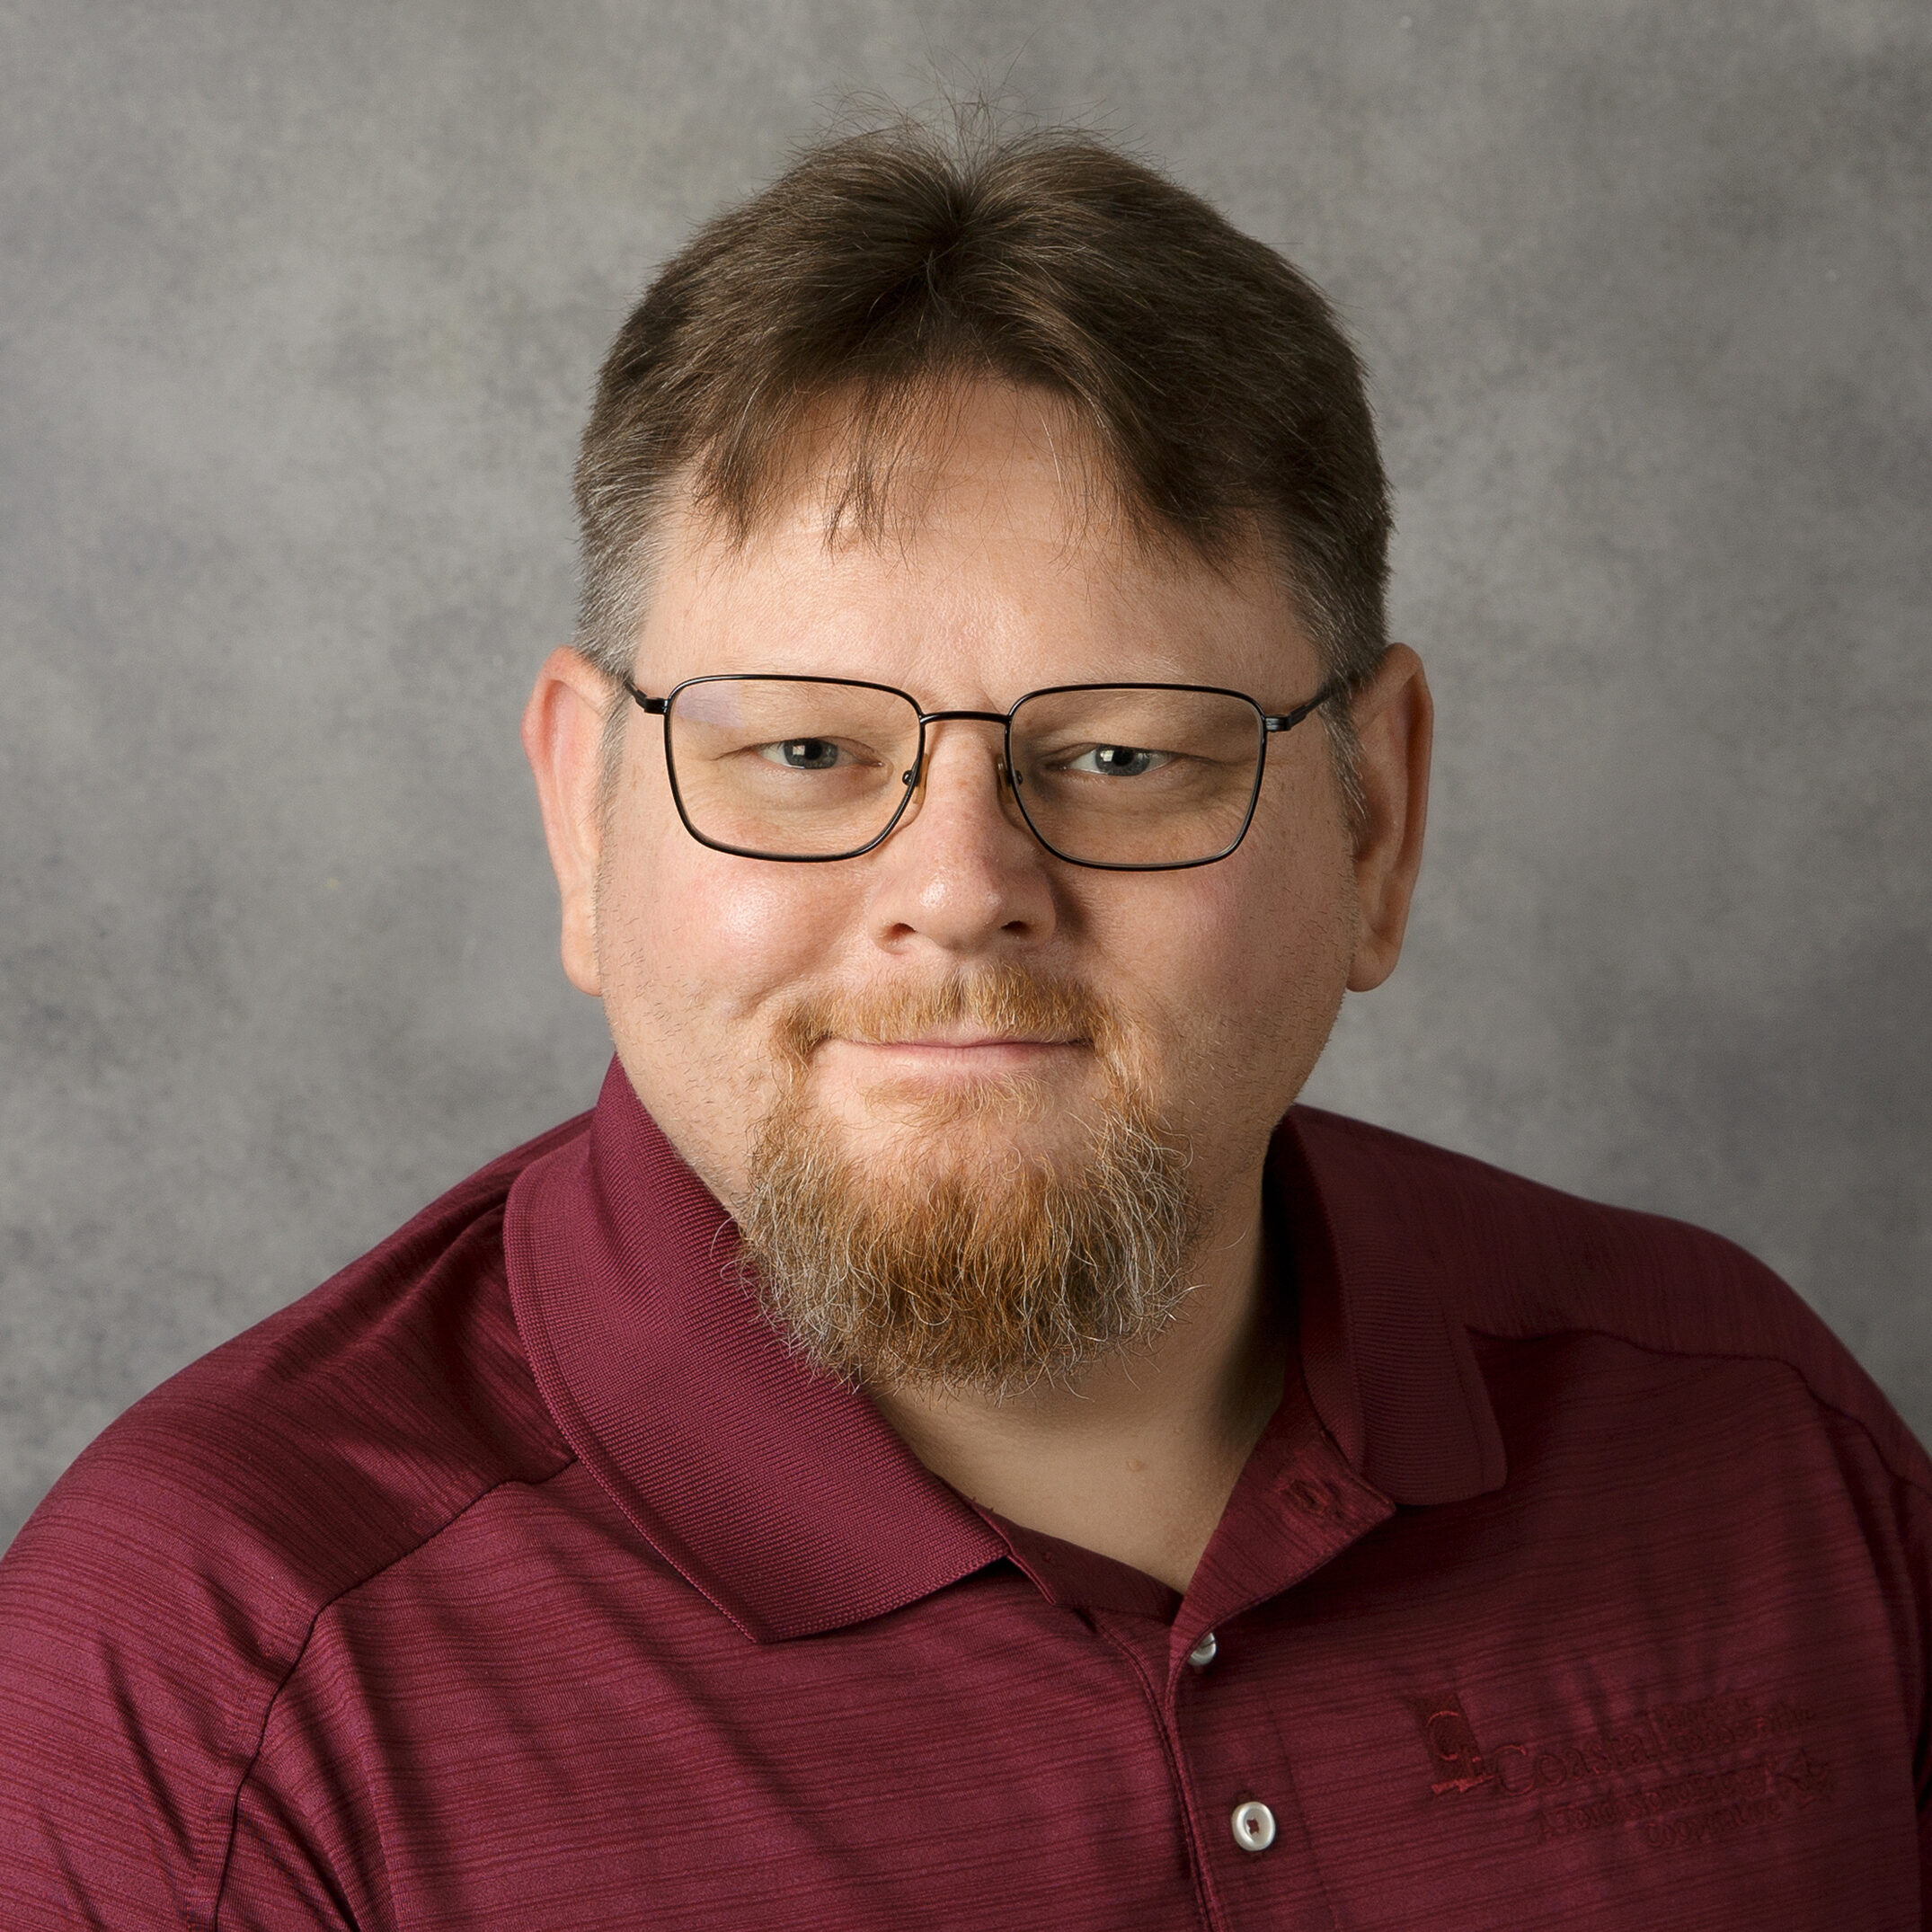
[[301, 307]]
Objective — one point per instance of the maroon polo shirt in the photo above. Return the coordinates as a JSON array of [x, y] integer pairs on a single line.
[[518, 1578]]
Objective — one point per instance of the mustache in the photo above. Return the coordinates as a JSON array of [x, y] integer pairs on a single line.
[[1008, 1001]]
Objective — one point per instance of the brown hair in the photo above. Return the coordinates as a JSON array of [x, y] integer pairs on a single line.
[[1213, 379]]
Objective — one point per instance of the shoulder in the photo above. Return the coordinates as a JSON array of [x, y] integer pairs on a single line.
[[157, 1599], [346, 1427], [1514, 1258]]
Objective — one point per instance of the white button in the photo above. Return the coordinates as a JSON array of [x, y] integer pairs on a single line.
[[1203, 1653], [1253, 1825]]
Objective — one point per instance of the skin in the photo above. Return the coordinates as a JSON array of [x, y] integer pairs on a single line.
[[1000, 572]]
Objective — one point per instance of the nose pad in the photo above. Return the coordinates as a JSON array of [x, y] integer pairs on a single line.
[[914, 781]]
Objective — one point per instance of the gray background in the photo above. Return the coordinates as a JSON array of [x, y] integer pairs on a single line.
[[301, 308]]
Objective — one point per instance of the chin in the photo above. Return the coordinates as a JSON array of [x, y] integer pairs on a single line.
[[985, 1129]]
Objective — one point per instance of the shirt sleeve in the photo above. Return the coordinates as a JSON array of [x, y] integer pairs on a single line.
[[141, 1650], [1895, 1505]]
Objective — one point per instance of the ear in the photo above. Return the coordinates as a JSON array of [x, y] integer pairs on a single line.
[[1395, 721], [563, 739]]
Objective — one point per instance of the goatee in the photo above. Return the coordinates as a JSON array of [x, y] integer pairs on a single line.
[[961, 1261]]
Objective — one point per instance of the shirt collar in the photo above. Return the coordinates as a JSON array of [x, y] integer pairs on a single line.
[[1387, 1366], [783, 1496]]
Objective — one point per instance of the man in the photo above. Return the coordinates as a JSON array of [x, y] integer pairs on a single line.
[[943, 1444]]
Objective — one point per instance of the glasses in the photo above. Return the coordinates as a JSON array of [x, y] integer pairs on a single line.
[[1123, 777]]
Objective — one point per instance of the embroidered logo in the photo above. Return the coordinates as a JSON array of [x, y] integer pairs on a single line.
[[1452, 1741], [1653, 1772]]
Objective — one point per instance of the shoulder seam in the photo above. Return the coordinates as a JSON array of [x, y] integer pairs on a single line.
[[1791, 1368], [1475, 1167], [294, 1663]]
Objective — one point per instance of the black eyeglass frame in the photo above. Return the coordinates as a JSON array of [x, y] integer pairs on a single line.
[[1272, 725]]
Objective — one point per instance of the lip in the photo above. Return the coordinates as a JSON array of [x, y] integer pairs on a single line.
[[968, 1040], [956, 1053]]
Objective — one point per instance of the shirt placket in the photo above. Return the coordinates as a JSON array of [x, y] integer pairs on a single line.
[[1224, 1702]]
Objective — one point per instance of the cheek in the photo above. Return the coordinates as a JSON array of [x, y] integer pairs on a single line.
[[688, 932], [1243, 964], [1299, 927], [693, 949]]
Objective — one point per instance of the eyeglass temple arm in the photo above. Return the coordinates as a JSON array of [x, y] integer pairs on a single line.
[[1289, 720], [654, 706]]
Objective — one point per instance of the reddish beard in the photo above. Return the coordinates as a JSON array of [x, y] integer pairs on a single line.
[[959, 1260]]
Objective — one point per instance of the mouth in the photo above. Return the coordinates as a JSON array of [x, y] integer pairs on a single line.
[[970, 1037], [951, 1052]]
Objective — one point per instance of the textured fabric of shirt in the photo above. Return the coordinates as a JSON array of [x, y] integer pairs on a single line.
[[520, 1578]]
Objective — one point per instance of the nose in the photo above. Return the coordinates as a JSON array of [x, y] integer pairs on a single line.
[[960, 873]]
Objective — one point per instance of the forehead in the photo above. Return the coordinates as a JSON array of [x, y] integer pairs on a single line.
[[983, 545]]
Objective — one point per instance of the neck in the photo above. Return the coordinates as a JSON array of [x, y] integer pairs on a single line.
[[1138, 1461]]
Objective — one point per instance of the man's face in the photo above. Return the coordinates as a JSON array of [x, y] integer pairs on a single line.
[[1001, 573]]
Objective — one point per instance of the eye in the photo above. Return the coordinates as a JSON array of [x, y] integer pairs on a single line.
[[803, 754], [1118, 761]]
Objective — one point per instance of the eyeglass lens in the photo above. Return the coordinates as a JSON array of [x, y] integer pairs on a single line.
[[799, 768]]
